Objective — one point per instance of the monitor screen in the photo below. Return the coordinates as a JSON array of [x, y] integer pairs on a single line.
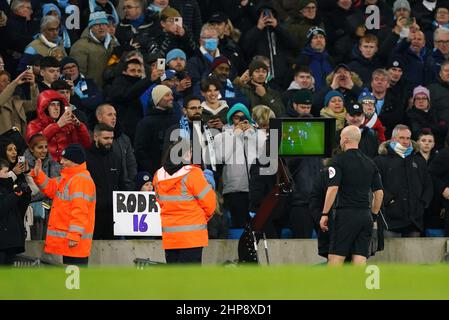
[[305, 136]]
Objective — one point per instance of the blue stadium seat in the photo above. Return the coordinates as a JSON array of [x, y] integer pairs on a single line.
[[235, 233], [286, 233], [434, 233], [314, 235]]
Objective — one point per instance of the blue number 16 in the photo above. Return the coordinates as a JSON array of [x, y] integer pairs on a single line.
[[141, 226]]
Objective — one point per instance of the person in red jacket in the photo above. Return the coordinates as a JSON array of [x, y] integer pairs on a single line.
[[187, 203], [58, 124]]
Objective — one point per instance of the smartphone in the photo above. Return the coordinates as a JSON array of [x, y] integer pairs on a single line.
[[160, 64], [21, 159], [266, 12], [409, 22], [178, 21], [30, 68]]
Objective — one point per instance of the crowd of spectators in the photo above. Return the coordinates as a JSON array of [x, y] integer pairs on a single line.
[[233, 64]]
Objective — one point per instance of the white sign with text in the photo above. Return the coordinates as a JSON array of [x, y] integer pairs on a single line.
[[136, 214]]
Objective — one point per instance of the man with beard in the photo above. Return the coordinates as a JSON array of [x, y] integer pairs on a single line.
[[176, 61], [106, 171], [191, 127], [221, 69], [150, 130], [121, 145]]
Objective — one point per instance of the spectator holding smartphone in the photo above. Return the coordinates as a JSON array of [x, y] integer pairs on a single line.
[[174, 34], [12, 108], [14, 201], [214, 109], [58, 124]]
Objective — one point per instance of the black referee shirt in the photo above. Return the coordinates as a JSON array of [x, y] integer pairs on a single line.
[[356, 175]]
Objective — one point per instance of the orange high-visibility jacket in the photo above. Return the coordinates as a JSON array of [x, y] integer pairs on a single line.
[[187, 202], [72, 215]]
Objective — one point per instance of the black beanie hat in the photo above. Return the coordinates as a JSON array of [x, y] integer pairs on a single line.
[[67, 60], [75, 153], [256, 65]]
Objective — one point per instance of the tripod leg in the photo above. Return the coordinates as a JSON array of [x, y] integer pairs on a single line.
[[255, 245], [266, 247]]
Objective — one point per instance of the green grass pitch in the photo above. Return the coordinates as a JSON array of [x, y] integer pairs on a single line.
[[287, 282], [306, 138]]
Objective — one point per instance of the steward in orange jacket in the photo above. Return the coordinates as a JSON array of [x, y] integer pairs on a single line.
[[187, 203], [72, 215]]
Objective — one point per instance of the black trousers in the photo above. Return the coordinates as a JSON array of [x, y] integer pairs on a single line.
[[238, 205], [190, 255], [75, 261], [6, 258]]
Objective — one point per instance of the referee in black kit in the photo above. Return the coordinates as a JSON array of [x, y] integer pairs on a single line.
[[352, 175]]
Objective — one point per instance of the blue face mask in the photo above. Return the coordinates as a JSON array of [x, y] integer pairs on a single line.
[[210, 44], [155, 8]]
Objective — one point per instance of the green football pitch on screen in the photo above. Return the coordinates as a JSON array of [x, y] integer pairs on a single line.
[[302, 138]]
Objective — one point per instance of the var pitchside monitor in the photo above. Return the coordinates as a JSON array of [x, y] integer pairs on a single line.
[[301, 137]]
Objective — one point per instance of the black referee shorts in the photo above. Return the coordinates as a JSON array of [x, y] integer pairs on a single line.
[[352, 232]]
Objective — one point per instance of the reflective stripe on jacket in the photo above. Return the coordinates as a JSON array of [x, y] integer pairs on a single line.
[[187, 202], [72, 215]]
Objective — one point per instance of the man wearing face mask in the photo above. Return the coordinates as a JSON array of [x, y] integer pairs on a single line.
[[199, 65], [106, 171]]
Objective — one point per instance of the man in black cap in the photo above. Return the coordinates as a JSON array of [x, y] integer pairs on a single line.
[[72, 216], [300, 105], [228, 47], [316, 56], [399, 86], [369, 143], [85, 93], [304, 171]]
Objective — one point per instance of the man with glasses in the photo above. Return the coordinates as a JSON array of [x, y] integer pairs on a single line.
[[441, 47], [139, 28], [191, 127], [94, 48], [301, 20], [48, 43], [199, 65]]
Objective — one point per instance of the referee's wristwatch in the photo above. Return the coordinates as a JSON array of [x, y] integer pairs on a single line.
[[324, 214], [374, 216]]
